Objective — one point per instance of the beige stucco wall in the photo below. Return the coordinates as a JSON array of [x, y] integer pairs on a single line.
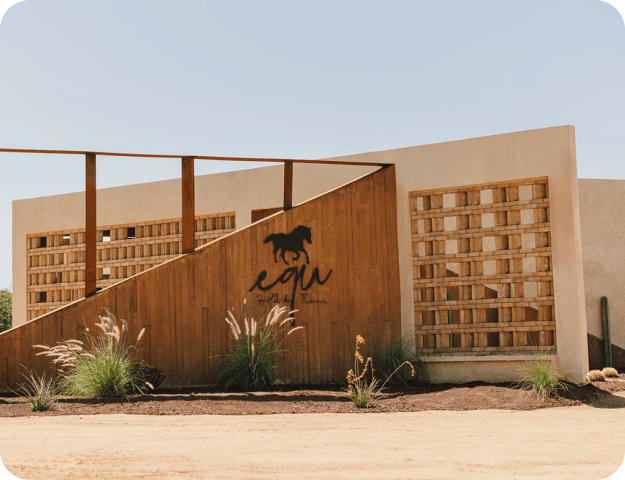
[[602, 213], [545, 152], [239, 191]]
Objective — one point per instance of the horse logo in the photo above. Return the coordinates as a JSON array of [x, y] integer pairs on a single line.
[[290, 242]]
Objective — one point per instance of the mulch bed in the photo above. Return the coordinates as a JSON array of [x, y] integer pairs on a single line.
[[329, 399]]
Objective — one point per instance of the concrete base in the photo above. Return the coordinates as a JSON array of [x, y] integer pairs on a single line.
[[491, 369]]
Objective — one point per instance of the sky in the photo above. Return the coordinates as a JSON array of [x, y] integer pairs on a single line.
[[294, 80]]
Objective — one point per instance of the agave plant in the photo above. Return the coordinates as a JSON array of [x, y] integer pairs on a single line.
[[249, 365]]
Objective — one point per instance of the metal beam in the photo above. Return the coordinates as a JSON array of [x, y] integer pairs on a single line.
[[90, 224], [288, 185], [188, 205], [197, 157]]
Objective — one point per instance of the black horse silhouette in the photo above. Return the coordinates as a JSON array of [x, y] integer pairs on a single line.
[[291, 242]]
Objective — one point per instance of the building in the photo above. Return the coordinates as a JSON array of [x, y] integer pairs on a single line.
[[476, 247]]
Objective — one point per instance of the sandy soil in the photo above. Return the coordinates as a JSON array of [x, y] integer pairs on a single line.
[[470, 431], [585, 442], [327, 399]]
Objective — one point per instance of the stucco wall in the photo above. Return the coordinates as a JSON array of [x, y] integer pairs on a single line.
[[239, 191], [602, 214], [546, 152]]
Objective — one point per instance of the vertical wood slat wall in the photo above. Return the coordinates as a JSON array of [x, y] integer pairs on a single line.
[[55, 264], [483, 281], [182, 303]]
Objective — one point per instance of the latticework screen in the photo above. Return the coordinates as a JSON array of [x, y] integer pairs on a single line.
[[56, 260], [483, 281]]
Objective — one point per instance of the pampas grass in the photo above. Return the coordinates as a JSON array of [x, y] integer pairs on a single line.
[[104, 366], [249, 365]]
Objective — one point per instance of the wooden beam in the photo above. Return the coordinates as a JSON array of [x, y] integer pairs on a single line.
[[288, 185], [188, 205], [90, 224], [197, 157]]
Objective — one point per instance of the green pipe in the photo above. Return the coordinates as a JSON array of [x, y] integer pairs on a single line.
[[450, 320], [607, 341]]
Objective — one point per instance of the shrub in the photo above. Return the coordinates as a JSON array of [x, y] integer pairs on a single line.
[[542, 376], [102, 367], [40, 392], [595, 376], [6, 310], [152, 376], [249, 364], [365, 393], [388, 357]]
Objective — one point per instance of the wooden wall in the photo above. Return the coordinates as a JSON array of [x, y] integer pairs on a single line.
[[182, 303], [55, 272]]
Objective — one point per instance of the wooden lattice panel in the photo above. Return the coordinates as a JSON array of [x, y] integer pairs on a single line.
[[56, 260], [483, 282]]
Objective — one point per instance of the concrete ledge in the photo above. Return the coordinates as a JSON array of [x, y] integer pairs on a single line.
[[486, 358], [491, 369]]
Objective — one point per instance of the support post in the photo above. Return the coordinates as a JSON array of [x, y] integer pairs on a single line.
[[188, 205], [90, 224], [288, 185]]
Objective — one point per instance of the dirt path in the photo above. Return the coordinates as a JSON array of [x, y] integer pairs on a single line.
[[572, 442]]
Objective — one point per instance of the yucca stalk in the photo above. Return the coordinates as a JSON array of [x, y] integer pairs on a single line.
[[249, 365], [363, 393]]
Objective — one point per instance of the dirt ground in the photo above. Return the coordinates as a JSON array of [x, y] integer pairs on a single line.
[[469, 396], [472, 431]]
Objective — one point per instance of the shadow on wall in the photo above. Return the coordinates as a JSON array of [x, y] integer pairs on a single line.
[[596, 354]]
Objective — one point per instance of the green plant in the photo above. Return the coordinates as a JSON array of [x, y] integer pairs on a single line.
[[40, 392], [390, 357], [542, 376], [363, 393], [6, 310], [249, 364], [152, 376], [104, 366]]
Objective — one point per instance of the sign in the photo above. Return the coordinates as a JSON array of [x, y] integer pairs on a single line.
[[283, 243]]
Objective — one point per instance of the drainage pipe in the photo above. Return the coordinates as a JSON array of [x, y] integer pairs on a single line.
[[607, 341]]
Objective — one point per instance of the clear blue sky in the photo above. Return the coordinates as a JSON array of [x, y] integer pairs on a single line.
[[294, 79]]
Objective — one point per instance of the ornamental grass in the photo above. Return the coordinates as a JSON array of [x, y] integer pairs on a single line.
[[249, 366], [542, 376], [40, 392], [103, 366], [388, 357]]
